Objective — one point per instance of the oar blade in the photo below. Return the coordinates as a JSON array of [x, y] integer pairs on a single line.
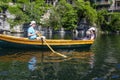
[[61, 55]]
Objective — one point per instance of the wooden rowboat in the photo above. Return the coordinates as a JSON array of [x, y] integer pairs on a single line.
[[20, 42]]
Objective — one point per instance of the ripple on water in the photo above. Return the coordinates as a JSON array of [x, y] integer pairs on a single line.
[[48, 56]]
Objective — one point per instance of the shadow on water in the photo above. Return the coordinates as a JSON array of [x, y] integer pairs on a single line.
[[47, 53], [14, 65]]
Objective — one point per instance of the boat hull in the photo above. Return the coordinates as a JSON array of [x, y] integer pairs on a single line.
[[24, 43], [4, 44]]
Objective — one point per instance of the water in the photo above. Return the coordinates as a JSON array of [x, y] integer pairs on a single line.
[[102, 62], [107, 58]]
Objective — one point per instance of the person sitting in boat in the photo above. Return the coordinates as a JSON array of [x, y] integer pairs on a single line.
[[32, 33], [90, 35]]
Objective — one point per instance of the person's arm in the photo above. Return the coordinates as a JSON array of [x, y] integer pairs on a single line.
[[30, 34]]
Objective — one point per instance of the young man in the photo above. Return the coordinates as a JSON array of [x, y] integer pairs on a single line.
[[32, 33]]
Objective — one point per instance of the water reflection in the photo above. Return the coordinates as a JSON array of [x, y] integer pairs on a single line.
[[20, 55], [32, 64], [106, 58], [48, 67]]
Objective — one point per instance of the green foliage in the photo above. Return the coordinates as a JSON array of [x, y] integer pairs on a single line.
[[68, 15], [20, 17], [115, 22], [111, 1], [6, 1], [63, 15], [108, 21], [103, 20], [90, 13], [55, 19], [14, 10], [101, 16], [3, 6], [25, 11], [84, 10], [0, 9], [22, 1]]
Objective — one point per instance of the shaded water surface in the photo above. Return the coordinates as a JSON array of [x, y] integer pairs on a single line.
[[102, 62], [49, 66]]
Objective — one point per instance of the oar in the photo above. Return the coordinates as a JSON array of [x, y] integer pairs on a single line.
[[52, 48]]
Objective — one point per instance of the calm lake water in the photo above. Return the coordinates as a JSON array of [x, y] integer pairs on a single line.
[[101, 62]]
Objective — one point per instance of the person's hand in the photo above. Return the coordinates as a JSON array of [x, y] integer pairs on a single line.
[[37, 32]]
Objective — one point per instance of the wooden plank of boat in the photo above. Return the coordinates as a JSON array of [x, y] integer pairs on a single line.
[[39, 42], [51, 42]]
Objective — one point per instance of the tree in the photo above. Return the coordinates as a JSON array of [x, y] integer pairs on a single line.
[[63, 15], [84, 10], [114, 22], [108, 21], [26, 11], [55, 19], [102, 21]]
